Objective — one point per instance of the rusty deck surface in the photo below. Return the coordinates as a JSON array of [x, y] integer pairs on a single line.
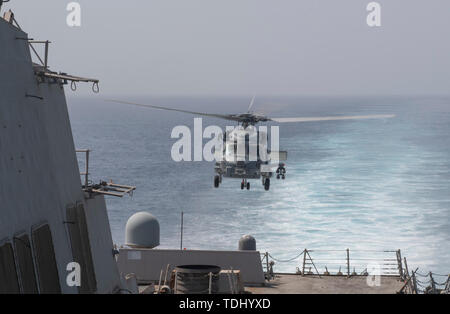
[[296, 284]]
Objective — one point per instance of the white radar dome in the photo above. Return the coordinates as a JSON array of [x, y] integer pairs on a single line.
[[142, 231]]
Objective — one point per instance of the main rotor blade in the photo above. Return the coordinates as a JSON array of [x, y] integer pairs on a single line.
[[220, 116], [335, 118]]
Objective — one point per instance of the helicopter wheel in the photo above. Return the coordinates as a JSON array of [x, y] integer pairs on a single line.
[[283, 177], [242, 185], [267, 184], [248, 185], [278, 177], [216, 181]]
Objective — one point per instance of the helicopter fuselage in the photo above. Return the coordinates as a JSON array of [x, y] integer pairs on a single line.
[[241, 170], [245, 155]]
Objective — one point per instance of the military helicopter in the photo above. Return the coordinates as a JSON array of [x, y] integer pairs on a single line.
[[254, 160]]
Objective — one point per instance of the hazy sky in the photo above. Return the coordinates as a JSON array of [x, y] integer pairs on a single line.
[[242, 47]]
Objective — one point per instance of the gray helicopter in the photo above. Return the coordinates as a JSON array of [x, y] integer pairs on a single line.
[[244, 153]]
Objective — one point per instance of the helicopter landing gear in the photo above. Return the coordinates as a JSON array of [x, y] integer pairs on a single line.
[[245, 185], [281, 171], [267, 184], [216, 181]]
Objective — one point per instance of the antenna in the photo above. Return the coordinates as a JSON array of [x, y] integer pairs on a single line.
[[181, 240], [251, 104]]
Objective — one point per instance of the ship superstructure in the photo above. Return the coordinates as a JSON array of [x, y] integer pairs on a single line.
[[47, 221]]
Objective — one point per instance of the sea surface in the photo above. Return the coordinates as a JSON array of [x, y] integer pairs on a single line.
[[366, 185]]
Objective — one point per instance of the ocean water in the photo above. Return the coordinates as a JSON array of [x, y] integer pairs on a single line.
[[363, 185]]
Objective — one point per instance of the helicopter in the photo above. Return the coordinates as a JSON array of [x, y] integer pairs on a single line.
[[244, 153]]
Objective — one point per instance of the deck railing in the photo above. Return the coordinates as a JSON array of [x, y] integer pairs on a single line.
[[344, 262], [431, 283]]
